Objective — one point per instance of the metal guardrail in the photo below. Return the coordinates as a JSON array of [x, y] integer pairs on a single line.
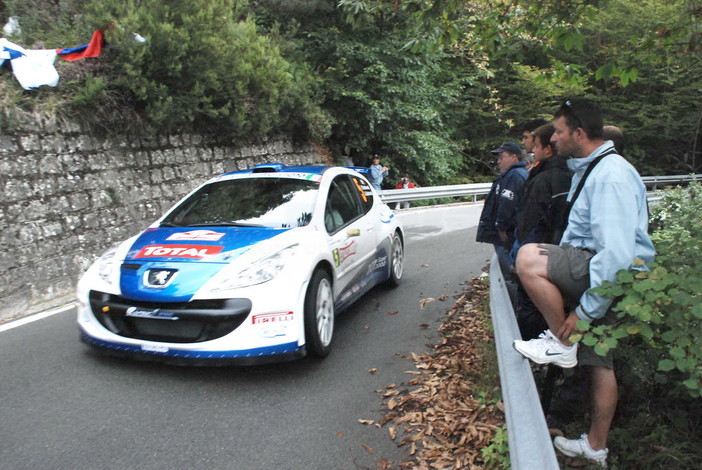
[[482, 189], [530, 446]]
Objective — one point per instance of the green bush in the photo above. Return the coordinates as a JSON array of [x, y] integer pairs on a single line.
[[203, 66], [662, 307]]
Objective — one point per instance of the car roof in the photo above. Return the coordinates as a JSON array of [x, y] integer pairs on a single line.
[[282, 168]]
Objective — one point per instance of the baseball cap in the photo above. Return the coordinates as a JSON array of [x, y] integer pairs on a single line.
[[510, 147]]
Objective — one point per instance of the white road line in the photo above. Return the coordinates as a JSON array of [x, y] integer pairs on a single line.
[[36, 317]]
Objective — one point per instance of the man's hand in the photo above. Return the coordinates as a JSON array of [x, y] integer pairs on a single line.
[[568, 328], [503, 236]]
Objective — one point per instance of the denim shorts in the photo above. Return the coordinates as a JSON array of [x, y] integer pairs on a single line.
[[569, 269]]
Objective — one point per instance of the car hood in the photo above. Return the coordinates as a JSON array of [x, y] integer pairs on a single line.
[[220, 245], [170, 264]]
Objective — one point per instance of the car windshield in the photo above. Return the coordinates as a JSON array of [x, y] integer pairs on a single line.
[[249, 202]]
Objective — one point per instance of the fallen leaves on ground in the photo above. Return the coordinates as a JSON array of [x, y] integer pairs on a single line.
[[436, 415]]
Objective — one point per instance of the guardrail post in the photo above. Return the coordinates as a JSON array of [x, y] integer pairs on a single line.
[[530, 446]]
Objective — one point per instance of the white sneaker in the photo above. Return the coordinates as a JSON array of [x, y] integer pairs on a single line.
[[580, 448], [547, 349]]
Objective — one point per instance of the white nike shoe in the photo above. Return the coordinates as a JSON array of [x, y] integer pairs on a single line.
[[581, 448], [547, 349]]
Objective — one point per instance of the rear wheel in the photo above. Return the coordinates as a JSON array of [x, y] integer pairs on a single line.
[[319, 314], [397, 261]]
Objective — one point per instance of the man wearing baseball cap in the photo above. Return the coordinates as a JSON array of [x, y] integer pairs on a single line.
[[499, 216]]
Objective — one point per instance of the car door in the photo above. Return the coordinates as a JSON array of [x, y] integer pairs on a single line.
[[352, 236]]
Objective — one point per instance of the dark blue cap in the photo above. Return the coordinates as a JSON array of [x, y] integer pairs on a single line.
[[510, 147]]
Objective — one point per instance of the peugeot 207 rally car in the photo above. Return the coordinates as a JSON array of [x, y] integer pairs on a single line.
[[251, 266]]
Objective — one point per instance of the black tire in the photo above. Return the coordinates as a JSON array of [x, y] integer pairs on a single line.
[[397, 261], [319, 314]]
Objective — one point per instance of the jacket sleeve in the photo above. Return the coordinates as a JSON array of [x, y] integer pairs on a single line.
[[614, 217], [509, 198]]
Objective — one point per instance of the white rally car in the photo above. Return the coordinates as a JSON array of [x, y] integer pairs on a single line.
[[252, 266]]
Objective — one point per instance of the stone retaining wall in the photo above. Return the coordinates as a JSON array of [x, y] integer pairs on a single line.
[[68, 196]]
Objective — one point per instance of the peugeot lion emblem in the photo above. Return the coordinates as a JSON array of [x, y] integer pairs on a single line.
[[158, 278]]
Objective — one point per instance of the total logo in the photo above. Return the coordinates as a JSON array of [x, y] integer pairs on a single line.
[[178, 251]]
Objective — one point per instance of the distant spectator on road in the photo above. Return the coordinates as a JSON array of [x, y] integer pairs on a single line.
[[616, 135], [404, 183], [607, 230], [499, 216], [377, 173]]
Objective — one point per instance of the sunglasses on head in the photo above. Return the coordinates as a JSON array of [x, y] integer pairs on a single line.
[[573, 113]]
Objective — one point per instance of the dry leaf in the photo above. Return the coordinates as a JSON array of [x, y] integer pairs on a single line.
[[368, 448], [339, 434], [425, 265], [423, 302], [383, 465], [373, 370], [392, 431], [392, 403], [393, 313], [366, 421]]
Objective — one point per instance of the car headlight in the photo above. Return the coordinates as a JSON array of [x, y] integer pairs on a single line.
[[106, 266], [260, 271]]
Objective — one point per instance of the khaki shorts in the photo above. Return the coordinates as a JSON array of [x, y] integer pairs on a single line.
[[569, 269]]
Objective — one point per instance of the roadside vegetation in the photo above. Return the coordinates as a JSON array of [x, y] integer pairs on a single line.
[[430, 86]]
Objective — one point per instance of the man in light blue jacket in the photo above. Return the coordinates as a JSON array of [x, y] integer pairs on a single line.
[[607, 230], [377, 173]]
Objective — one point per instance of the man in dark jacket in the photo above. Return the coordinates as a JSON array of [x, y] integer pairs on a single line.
[[541, 217], [499, 216]]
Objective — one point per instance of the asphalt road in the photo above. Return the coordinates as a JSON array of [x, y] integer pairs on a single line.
[[64, 406]]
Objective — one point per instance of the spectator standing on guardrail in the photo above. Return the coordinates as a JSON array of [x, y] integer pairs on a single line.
[[607, 231], [541, 217], [527, 139], [377, 173], [404, 183], [499, 215]]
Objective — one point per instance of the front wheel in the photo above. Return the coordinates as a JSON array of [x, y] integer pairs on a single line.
[[397, 261], [319, 314]]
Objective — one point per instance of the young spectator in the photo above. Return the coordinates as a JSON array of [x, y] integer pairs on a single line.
[[541, 216], [527, 138], [377, 173], [607, 230], [499, 215], [404, 183]]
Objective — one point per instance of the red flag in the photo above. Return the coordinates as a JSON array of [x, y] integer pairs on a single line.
[[92, 49]]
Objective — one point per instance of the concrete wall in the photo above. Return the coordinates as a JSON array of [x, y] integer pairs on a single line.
[[68, 196]]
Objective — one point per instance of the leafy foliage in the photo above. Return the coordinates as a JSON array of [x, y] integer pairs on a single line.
[[663, 306], [429, 85]]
